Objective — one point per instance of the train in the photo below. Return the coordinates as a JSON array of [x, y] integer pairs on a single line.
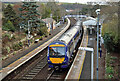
[[60, 51]]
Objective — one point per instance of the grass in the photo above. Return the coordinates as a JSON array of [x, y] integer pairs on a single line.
[[109, 70], [110, 66], [112, 61], [110, 76], [4, 57], [107, 60], [114, 58]]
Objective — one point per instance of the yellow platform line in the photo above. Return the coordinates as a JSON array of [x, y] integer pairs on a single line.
[[19, 59], [27, 54], [83, 61]]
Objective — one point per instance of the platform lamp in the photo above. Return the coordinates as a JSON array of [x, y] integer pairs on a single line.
[[98, 14], [29, 26]]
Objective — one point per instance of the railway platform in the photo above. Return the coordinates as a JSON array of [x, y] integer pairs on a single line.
[[76, 68], [13, 66]]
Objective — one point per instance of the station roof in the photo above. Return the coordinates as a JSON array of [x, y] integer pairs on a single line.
[[90, 21]]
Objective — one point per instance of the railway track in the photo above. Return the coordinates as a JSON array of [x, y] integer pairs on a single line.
[[36, 67], [27, 69], [58, 75]]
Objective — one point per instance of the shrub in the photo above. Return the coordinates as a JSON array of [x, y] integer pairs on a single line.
[[13, 37], [31, 40], [43, 31], [110, 34], [4, 51], [17, 46], [114, 58], [110, 76], [20, 44], [8, 49], [7, 36], [9, 26], [108, 42], [14, 52], [110, 45], [41, 37], [109, 70]]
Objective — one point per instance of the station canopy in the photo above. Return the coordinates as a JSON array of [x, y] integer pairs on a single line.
[[90, 22]]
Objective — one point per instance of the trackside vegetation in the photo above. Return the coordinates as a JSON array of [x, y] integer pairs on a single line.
[[110, 33]]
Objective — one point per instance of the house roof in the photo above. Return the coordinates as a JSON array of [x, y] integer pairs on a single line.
[[48, 20]]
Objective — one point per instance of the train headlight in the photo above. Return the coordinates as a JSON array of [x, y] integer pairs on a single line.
[[64, 60], [48, 60]]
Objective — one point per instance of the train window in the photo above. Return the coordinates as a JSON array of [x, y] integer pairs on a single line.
[[71, 47], [69, 50], [57, 51], [76, 36]]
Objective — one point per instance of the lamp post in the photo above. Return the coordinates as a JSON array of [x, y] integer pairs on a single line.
[[100, 41], [92, 58], [57, 18], [29, 32], [98, 13]]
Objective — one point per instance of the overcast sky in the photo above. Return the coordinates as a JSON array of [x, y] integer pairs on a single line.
[[85, 1], [78, 1], [69, 1]]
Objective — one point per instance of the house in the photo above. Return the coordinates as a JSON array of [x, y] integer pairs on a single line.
[[50, 23]]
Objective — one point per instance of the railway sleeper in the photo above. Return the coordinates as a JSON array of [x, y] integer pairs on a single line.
[[31, 73], [34, 71], [37, 69], [39, 65], [56, 75], [55, 78], [27, 78]]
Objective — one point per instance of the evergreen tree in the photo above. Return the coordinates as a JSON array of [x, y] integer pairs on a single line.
[[9, 13], [9, 26], [29, 13], [47, 13], [57, 15], [55, 10]]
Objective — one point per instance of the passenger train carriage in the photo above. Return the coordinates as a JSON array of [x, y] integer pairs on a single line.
[[60, 51]]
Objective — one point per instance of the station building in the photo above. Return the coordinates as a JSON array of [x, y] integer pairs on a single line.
[[50, 23]]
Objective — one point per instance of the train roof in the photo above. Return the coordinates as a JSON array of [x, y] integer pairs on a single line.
[[67, 36]]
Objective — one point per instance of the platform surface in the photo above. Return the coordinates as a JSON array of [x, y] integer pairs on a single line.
[[76, 68]]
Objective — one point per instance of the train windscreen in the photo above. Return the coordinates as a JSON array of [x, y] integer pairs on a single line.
[[57, 51]]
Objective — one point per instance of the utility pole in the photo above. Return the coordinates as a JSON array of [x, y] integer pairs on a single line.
[[57, 18], [98, 13], [29, 32], [29, 15], [100, 41]]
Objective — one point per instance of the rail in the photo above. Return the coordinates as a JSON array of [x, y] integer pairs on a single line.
[[10, 68]]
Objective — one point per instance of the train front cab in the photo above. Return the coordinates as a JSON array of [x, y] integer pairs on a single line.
[[57, 55]]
